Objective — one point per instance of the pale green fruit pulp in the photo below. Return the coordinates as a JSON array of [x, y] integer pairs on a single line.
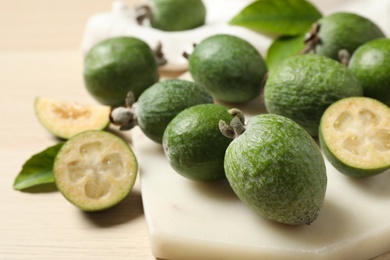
[[66, 119], [95, 170], [355, 136]]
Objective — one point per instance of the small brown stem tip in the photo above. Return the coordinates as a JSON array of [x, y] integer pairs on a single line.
[[344, 56], [236, 126], [226, 130]]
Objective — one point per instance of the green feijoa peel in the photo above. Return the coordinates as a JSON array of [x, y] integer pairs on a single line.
[[371, 64], [117, 65], [341, 30], [303, 86], [229, 67], [275, 168], [355, 136], [193, 143], [160, 103], [177, 15], [95, 170]]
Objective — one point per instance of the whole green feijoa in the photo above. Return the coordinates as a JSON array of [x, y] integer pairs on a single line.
[[303, 86], [371, 64], [117, 65], [229, 67], [160, 103], [177, 15], [275, 168], [341, 30], [193, 143]]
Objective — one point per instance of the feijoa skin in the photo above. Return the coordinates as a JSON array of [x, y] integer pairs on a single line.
[[177, 15], [371, 64], [277, 170], [161, 102], [341, 30], [303, 86], [193, 144], [229, 67], [117, 65]]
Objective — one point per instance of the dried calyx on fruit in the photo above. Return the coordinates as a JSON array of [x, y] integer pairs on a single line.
[[340, 30], [125, 117], [158, 105], [236, 126], [270, 156]]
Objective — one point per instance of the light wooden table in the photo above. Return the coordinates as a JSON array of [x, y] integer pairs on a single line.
[[39, 56]]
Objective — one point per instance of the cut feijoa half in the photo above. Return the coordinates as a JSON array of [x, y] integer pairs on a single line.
[[355, 136], [65, 119], [95, 170]]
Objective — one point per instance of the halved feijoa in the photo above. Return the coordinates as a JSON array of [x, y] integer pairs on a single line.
[[355, 136], [95, 170], [65, 119]]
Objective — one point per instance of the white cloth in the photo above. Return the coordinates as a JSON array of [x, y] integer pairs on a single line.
[[120, 21]]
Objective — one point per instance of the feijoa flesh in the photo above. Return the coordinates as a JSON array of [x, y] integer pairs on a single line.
[[95, 170], [66, 119], [355, 136]]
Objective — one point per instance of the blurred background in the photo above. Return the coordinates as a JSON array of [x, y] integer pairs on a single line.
[[47, 24]]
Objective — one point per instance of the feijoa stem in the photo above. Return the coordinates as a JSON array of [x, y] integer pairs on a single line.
[[126, 116], [344, 56], [226, 130], [186, 54], [236, 126], [143, 12], [160, 55], [312, 39]]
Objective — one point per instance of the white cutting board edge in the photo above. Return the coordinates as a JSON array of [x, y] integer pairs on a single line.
[[192, 220]]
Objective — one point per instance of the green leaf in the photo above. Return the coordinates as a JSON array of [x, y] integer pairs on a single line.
[[38, 169], [278, 17], [282, 48]]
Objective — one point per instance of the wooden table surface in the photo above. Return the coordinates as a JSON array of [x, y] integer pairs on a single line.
[[40, 56]]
